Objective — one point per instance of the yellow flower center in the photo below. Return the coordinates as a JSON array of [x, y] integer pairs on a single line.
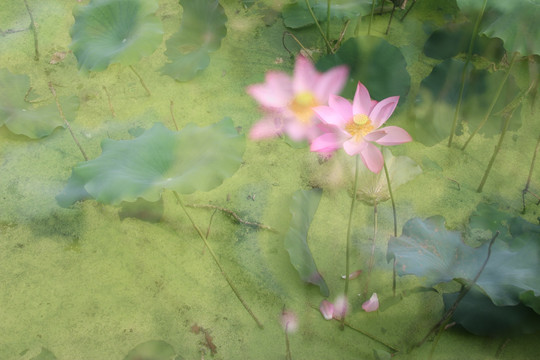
[[359, 126], [302, 104]]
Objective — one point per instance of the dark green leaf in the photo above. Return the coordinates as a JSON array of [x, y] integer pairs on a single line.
[[478, 315], [45, 354], [379, 65], [21, 117], [297, 15], [114, 31], [303, 207], [201, 32], [185, 161]]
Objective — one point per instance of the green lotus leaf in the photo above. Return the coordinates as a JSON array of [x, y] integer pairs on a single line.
[[303, 207], [519, 27], [297, 15], [200, 33], [114, 31], [478, 315], [438, 97], [153, 349], [428, 250], [185, 161], [21, 117], [373, 61]]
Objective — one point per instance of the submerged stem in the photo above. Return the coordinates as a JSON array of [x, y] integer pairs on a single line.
[[371, 16], [328, 46], [492, 105], [328, 3], [171, 107], [140, 79], [464, 72], [65, 121], [34, 30], [395, 224], [372, 256], [526, 189], [353, 202], [216, 260]]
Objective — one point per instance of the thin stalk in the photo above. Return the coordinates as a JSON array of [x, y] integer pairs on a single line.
[[328, 3], [507, 118], [328, 46], [140, 79], [464, 72], [372, 337], [492, 105], [172, 115], [465, 289], [372, 256], [526, 189], [34, 30], [371, 16], [395, 224], [216, 260], [409, 9], [347, 249], [110, 103], [306, 51], [288, 355], [65, 121], [390, 20]]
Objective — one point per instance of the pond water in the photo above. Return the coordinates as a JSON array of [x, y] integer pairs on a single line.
[[122, 238]]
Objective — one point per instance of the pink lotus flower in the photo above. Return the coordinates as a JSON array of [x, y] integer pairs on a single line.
[[372, 304], [356, 126], [288, 102], [337, 310], [289, 321]]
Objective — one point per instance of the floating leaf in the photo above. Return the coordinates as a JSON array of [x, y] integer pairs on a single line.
[[478, 315], [303, 207], [200, 33], [114, 31], [374, 187], [438, 97], [185, 161], [153, 350], [428, 250], [297, 15], [21, 117], [373, 61], [518, 27]]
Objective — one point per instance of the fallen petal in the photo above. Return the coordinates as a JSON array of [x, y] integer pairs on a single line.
[[353, 275], [289, 321], [372, 304], [341, 306], [327, 309]]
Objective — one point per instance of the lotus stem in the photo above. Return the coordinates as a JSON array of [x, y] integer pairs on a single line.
[[328, 45], [507, 114], [394, 213], [526, 189], [297, 41], [464, 72], [408, 10], [348, 243], [371, 16], [328, 3], [171, 107], [372, 256], [141, 80], [464, 290], [34, 30], [110, 103], [65, 121], [492, 105], [216, 260], [390, 20]]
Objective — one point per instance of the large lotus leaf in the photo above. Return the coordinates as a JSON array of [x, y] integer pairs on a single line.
[[439, 93], [201, 32], [374, 186], [373, 61], [454, 39], [428, 250], [478, 315], [21, 117], [114, 31], [297, 15], [519, 27], [303, 207], [185, 161]]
